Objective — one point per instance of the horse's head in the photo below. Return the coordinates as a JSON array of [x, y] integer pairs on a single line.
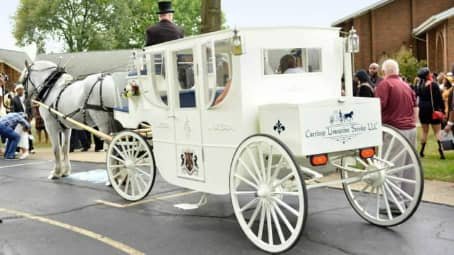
[[34, 75]]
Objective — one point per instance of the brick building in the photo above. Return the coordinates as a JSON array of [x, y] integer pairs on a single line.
[[424, 26], [11, 63]]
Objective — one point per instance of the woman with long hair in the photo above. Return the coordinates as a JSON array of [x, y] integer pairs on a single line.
[[430, 100]]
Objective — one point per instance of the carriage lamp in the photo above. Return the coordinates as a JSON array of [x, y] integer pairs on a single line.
[[237, 48], [353, 41]]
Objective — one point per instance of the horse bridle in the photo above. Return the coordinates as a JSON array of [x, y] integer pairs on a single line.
[[27, 80]]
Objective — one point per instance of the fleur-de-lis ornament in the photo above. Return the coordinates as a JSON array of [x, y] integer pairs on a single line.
[[279, 127]]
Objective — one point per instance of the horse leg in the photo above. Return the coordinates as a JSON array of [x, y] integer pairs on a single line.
[[56, 149], [66, 169]]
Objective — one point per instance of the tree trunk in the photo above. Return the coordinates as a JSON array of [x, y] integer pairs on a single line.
[[211, 16]]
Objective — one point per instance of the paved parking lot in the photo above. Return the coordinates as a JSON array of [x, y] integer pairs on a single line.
[[79, 215]]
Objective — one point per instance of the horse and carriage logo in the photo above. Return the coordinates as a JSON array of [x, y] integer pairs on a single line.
[[189, 162], [341, 117]]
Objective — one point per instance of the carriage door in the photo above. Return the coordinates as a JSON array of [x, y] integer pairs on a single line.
[[188, 136]]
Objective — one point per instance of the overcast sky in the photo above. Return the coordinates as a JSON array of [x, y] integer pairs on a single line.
[[238, 13]]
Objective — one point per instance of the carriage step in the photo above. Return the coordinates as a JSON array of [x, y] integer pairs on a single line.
[[185, 206]]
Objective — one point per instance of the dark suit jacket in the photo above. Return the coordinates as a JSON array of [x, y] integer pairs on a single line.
[[17, 106], [162, 32]]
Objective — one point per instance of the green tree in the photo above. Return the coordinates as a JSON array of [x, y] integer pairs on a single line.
[[96, 24], [408, 63]]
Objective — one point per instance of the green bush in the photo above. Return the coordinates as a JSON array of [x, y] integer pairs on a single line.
[[408, 63]]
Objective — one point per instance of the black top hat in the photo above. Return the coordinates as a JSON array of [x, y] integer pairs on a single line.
[[423, 72], [165, 7]]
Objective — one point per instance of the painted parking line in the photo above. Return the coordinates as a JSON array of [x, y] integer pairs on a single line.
[[152, 199], [25, 164], [101, 238]]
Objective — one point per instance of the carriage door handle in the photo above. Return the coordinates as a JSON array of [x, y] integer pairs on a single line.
[[172, 116]]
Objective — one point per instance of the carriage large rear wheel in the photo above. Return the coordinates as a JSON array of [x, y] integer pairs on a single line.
[[390, 196], [131, 166], [268, 193]]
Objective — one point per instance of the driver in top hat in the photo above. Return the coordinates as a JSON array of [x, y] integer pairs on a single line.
[[165, 30]]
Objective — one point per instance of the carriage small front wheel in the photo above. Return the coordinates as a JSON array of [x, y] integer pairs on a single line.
[[131, 166], [268, 193]]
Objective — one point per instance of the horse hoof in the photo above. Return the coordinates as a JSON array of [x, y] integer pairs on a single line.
[[53, 177]]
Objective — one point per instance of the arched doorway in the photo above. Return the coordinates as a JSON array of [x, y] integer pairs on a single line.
[[439, 52]]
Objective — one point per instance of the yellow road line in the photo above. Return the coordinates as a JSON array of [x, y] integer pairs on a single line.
[[104, 239], [155, 198]]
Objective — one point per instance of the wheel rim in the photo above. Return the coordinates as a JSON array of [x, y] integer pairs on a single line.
[[390, 196], [268, 196], [130, 166]]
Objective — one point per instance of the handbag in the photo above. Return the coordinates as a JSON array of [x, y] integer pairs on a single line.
[[436, 115], [447, 140]]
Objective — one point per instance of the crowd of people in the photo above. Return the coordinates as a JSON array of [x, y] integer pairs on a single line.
[[429, 99], [15, 117]]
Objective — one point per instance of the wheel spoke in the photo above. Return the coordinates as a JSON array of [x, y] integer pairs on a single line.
[[245, 180], [119, 152], [270, 160], [248, 170], [127, 184], [290, 175], [277, 224], [269, 223], [139, 177], [141, 158], [245, 192], [116, 166], [400, 168], [144, 164], [398, 155], [248, 205], [289, 193], [391, 193], [401, 179], [143, 172], [362, 162], [262, 221], [117, 158], [255, 213], [278, 168], [254, 163], [361, 192], [385, 200], [262, 162], [286, 206], [389, 148], [283, 218], [378, 203], [138, 184], [117, 174], [123, 146], [396, 188]]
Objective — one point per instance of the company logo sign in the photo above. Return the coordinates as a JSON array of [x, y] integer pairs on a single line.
[[342, 126]]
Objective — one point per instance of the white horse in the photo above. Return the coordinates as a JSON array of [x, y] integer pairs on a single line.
[[45, 81]]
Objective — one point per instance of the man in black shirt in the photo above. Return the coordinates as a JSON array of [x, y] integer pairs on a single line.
[[165, 30]]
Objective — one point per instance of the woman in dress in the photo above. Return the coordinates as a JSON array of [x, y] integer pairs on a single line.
[[430, 100]]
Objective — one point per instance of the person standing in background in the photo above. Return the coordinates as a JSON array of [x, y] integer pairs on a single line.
[[430, 100], [373, 74]]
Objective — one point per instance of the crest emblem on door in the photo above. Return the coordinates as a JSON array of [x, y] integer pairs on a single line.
[[189, 162]]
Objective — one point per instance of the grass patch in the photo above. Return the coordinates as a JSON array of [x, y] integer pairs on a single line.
[[434, 167]]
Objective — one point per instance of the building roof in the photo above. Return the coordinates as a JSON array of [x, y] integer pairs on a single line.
[[81, 64], [433, 21], [14, 59], [362, 11]]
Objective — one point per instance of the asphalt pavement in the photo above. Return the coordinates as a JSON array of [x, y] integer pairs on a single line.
[[80, 215]]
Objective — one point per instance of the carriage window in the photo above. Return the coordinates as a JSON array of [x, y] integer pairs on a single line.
[[185, 78], [158, 77], [219, 79], [292, 61]]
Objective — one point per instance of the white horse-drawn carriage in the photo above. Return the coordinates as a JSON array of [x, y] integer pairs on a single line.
[[260, 116]]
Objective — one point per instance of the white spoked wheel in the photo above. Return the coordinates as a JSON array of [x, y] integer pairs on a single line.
[[268, 194], [390, 196], [130, 166]]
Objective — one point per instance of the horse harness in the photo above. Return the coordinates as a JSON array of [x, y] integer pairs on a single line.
[[50, 82]]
